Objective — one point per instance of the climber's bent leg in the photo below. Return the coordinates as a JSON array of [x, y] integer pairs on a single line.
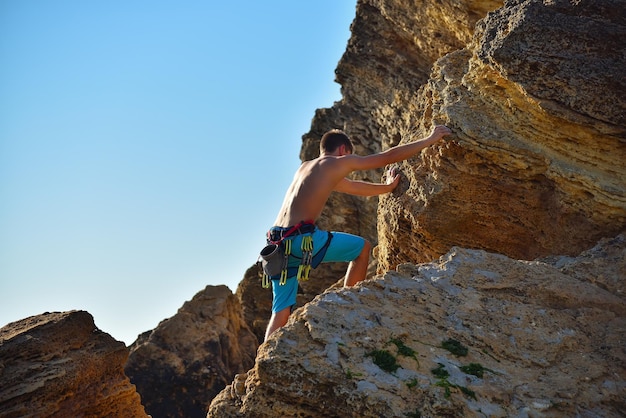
[[277, 320], [357, 269]]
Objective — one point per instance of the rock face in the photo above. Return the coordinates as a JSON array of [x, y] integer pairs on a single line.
[[60, 365], [184, 362], [534, 92], [536, 166], [472, 334], [387, 60]]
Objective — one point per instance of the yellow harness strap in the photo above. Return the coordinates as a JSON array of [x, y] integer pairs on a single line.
[[283, 273], [265, 282], [307, 256]]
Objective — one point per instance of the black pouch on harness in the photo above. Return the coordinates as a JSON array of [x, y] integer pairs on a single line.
[[272, 257]]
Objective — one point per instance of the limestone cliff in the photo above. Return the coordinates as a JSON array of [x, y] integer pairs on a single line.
[[471, 334], [536, 167], [534, 92], [535, 96], [60, 365], [183, 363]]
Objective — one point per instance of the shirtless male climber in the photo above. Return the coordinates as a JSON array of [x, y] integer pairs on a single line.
[[305, 199]]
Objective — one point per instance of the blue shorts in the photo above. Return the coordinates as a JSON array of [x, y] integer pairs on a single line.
[[343, 247]]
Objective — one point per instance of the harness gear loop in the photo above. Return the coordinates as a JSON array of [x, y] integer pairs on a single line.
[[265, 281], [283, 273], [307, 257]]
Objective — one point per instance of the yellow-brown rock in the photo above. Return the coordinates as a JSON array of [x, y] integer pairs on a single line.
[[536, 165], [60, 365], [536, 101], [534, 92]]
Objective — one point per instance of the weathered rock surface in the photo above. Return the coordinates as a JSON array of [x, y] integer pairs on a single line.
[[536, 101], [535, 95], [536, 166], [543, 338], [183, 363], [388, 58], [60, 365]]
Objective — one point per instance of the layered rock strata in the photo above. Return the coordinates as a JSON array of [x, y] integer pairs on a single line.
[[536, 164], [60, 365], [534, 93], [535, 97]]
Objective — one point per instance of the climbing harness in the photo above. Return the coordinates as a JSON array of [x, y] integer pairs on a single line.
[[275, 256]]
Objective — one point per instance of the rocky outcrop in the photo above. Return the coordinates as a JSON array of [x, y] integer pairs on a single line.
[[536, 166], [183, 363], [472, 334], [535, 96], [534, 93], [60, 365]]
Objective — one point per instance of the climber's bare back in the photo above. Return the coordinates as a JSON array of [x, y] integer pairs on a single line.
[[310, 189]]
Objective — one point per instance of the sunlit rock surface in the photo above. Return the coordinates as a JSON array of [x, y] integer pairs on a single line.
[[543, 338], [536, 164], [60, 365], [534, 94]]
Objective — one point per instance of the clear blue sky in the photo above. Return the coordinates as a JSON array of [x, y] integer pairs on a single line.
[[145, 146]]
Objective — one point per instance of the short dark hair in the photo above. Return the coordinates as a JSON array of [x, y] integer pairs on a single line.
[[333, 139]]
